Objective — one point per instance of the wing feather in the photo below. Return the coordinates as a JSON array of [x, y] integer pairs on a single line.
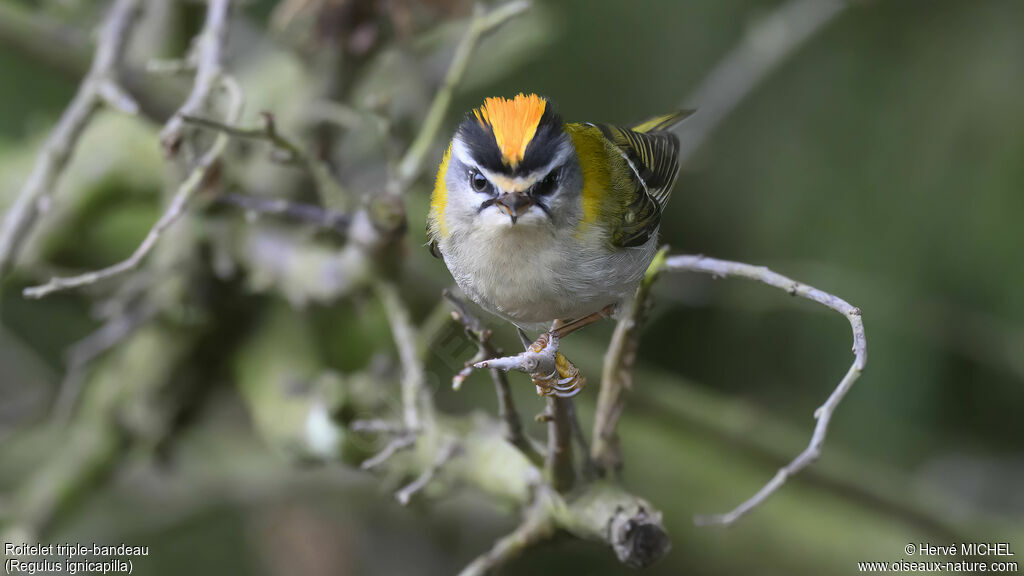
[[653, 156]]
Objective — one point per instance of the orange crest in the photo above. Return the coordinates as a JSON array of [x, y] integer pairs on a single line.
[[513, 122]]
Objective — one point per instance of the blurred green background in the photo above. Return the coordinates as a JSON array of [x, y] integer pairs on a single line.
[[882, 162]]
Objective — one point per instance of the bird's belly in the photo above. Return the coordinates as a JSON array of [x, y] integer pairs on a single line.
[[532, 278]]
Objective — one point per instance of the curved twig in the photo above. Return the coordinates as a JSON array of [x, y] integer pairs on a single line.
[[726, 269]]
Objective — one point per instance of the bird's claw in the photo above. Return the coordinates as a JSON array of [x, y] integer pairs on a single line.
[[552, 373], [565, 381]]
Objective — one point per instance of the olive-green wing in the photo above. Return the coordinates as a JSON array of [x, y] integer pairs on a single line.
[[653, 157]]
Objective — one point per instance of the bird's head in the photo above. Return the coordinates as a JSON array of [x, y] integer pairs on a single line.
[[512, 163]]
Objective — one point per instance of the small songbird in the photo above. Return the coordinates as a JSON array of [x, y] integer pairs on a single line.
[[542, 221]]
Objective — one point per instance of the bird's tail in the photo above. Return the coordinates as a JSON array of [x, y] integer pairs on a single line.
[[663, 122]]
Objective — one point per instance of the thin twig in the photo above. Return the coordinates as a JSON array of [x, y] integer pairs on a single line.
[[306, 213], [450, 450], [416, 406], [481, 23], [535, 528], [725, 269], [506, 403], [209, 59], [174, 211], [394, 446], [100, 85], [766, 45], [539, 359], [329, 189], [377, 426], [617, 374]]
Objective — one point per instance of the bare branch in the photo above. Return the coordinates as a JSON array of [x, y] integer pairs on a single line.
[[170, 216], [506, 405], [450, 450], [726, 269], [209, 58], [99, 86], [536, 528], [767, 44], [416, 406], [481, 24], [600, 512], [630, 525], [307, 213], [330, 190], [617, 374], [558, 465]]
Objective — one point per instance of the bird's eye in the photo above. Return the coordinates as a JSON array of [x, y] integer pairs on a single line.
[[547, 185], [478, 181]]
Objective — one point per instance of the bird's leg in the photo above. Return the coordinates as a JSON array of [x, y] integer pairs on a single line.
[[565, 381], [551, 372], [562, 329]]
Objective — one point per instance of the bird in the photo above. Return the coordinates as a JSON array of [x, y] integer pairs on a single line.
[[546, 223]]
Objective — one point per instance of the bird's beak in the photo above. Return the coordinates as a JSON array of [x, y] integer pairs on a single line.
[[514, 204]]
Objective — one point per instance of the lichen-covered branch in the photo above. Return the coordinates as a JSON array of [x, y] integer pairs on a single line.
[[99, 86], [726, 269]]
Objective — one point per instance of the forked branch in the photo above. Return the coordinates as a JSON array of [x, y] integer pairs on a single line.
[[175, 210], [209, 58], [485, 349], [99, 86]]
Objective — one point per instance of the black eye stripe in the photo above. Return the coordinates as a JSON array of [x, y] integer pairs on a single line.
[[545, 186], [485, 204]]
